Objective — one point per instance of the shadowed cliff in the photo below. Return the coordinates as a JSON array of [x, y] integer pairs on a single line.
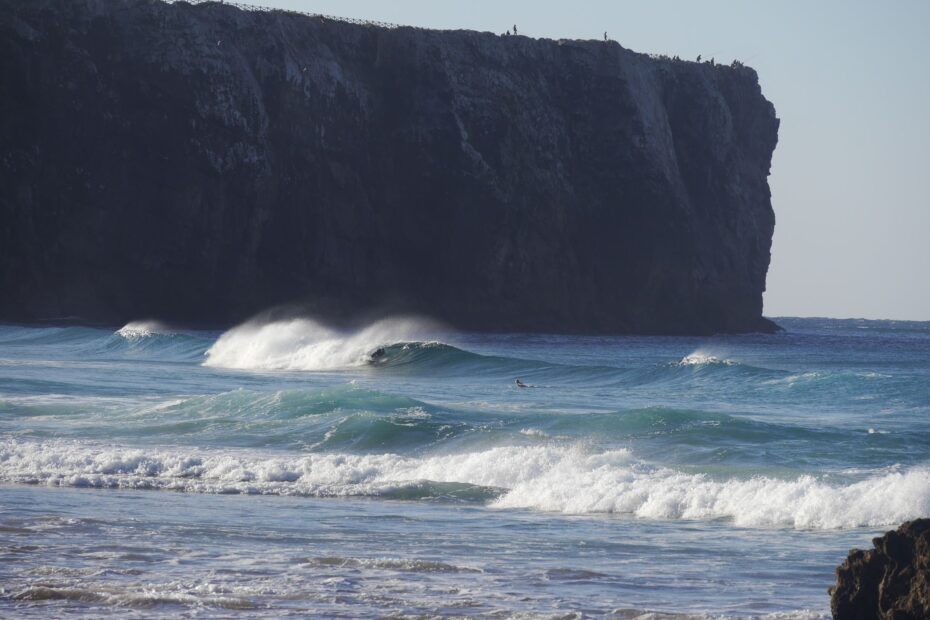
[[200, 163]]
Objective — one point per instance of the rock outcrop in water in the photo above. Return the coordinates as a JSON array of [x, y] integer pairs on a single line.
[[889, 582], [198, 163]]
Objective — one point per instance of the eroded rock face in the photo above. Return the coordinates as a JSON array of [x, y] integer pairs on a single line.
[[200, 163], [889, 582]]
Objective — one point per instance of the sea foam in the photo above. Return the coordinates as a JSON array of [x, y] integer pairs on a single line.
[[703, 358], [143, 329], [566, 478], [305, 344]]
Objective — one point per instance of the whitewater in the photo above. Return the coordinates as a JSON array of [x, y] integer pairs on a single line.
[[288, 467]]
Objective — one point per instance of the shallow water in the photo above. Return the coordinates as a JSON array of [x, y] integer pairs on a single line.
[[723, 476]]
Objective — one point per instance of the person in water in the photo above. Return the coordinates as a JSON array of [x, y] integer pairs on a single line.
[[519, 383], [377, 354]]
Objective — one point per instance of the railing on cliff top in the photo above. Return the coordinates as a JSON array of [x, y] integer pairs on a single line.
[[256, 7], [353, 20]]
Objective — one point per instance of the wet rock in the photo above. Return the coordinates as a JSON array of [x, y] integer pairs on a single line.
[[198, 163], [889, 582]]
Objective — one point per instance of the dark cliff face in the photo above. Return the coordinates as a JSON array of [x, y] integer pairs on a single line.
[[200, 163]]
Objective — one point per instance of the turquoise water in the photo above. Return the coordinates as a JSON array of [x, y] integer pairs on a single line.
[[289, 469]]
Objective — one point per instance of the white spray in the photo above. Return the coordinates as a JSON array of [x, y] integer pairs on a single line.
[[305, 344]]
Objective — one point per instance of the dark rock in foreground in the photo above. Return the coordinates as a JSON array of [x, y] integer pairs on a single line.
[[198, 163], [889, 582]]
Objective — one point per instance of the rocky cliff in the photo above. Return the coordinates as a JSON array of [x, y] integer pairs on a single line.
[[198, 163], [889, 582]]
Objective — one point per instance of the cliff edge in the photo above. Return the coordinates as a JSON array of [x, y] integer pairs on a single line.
[[198, 163]]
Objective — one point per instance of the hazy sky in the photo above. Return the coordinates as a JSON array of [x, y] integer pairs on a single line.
[[850, 81]]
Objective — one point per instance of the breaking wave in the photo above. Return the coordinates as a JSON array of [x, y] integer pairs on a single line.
[[305, 344], [569, 479], [700, 358], [135, 330]]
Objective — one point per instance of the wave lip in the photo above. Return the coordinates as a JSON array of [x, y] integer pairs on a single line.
[[807, 502], [135, 330], [700, 358], [305, 344], [568, 479]]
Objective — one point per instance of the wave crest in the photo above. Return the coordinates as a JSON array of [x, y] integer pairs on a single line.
[[135, 330], [305, 344], [567, 478], [700, 358]]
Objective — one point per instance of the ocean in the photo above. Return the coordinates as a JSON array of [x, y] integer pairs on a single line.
[[287, 469]]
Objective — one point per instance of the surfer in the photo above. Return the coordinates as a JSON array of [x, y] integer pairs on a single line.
[[519, 383], [377, 355]]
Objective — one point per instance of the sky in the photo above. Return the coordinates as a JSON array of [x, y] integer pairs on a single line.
[[850, 81]]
